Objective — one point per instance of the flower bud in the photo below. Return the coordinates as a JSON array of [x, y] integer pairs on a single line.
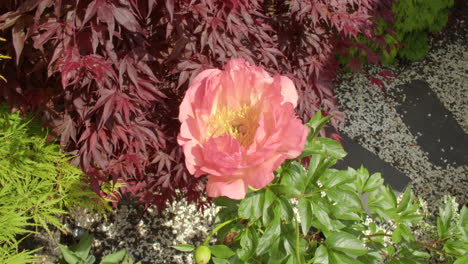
[[202, 255]]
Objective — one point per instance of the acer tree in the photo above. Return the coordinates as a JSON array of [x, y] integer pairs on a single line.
[[108, 76]]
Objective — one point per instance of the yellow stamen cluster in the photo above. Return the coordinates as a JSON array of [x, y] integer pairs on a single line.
[[240, 123]]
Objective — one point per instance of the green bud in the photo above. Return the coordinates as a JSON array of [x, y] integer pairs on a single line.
[[202, 255]]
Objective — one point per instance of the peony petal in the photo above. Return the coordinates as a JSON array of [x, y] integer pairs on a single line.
[[193, 93], [221, 186], [288, 90], [279, 134]]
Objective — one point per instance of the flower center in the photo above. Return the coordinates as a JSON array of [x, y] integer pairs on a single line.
[[240, 123]]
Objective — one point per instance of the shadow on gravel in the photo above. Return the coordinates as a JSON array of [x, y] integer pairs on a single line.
[[436, 130]]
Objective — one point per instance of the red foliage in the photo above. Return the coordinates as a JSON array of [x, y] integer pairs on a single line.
[[108, 76]]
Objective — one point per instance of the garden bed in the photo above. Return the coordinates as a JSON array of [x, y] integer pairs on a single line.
[[373, 121]]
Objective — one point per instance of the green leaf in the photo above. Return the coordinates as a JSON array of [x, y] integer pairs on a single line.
[[251, 207], [69, 256], [405, 200], [464, 217], [316, 124], [294, 176], [382, 202], [391, 249], [371, 258], [333, 178], [345, 242], [305, 213], [332, 147], [396, 236], [321, 255], [286, 210], [269, 200], [462, 260], [270, 236], [84, 246], [315, 168], [314, 147], [90, 259], [285, 190], [249, 242], [114, 257], [338, 257], [220, 261], [373, 182], [320, 211], [226, 202], [184, 247], [406, 232], [221, 251], [346, 197]]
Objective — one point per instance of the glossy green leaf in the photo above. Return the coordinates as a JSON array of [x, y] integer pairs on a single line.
[[346, 197], [114, 258], [220, 261], [184, 247], [321, 255], [69, 256], [316, 124], [305, 214], [226, 202], [333, 178], [221, 251], [287, 191], [294, 176], [320, 211], [345, 242], [396, 235], [313, 170], [405, 200], [248, 242], [268, 202], [84, 246], [269, 237], [406, 232], [338, 257], [251, 207], [461, 260], [373, 182], [332, 147], [286, 210]]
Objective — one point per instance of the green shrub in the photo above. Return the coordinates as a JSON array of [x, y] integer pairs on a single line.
[[342, 216], [414, 20], [406, 37], [37, 185]]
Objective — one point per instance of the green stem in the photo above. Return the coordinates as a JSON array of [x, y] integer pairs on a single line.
[[436, 249], [207, 239], [298, 253], [428, 245], [377, 246]]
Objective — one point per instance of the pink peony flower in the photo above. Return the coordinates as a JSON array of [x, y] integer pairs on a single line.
[[238, 126]]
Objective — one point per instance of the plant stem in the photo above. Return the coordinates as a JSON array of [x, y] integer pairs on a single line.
[[377, 246], [436, 249], [298, 254], [207, 239], [374, 235]]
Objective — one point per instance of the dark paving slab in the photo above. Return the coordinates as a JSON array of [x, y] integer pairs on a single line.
[[358, 155], [436, 130]]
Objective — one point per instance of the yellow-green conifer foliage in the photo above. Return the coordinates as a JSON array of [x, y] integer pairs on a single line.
[[3, 57], [37, 185]]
